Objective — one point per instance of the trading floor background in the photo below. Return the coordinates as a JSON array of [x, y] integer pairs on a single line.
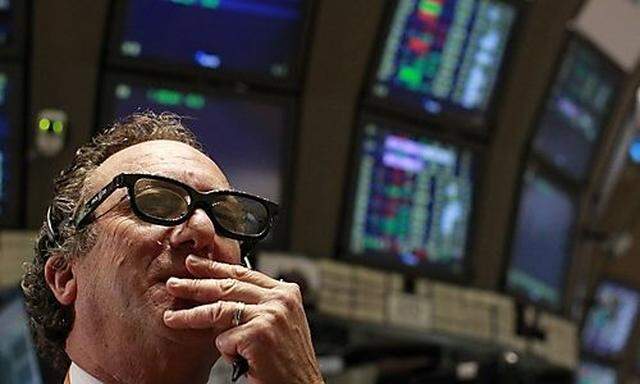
[[458, 178]]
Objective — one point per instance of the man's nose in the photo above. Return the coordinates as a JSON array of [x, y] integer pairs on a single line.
[[197, 233]]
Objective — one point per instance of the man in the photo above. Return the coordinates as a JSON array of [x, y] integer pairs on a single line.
[[137, 279]]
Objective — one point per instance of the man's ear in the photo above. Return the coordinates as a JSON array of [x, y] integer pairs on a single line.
[[60, 279]]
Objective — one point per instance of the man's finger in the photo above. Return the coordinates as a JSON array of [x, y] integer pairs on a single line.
[[228, 342], [219, 315], [203, 268], [211, 290]]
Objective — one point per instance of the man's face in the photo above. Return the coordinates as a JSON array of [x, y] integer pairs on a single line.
[[121, 281]]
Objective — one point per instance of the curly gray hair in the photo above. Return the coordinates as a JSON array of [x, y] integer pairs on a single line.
[[50, 321]]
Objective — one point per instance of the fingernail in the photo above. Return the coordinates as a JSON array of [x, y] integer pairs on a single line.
[[173, 282], [168, 314]]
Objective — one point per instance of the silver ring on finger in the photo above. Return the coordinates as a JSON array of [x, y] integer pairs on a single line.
[[237, 315]]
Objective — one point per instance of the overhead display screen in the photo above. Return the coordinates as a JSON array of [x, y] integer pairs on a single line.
[[245, 39], [581, 98], [541, 244], [610, 320], [7, 22], [632, 124], [443, 57], [5, 142], [13, 28], [11, 132], [413, 199], [247, 135], [18, 361], [591, 373]]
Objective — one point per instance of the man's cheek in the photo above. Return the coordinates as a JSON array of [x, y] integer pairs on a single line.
[[148, 238], [140, 243]]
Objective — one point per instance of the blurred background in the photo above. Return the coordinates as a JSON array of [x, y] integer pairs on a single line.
[[460, 179]]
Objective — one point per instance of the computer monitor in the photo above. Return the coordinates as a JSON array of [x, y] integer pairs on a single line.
[[632, 125], [576, 108], [249, 135], [410, 200], [18, 360], [11, 144], [245, 40], [542, 240], [593, 373], [634, 150], [610, 319], [442, 58], [13, 28]]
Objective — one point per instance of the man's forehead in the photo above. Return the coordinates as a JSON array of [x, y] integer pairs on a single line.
[[163, 157]]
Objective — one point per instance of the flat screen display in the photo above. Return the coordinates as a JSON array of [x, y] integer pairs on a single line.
[[610, 320], [541, 243], [18, 361], [413, 200], [11, 138], [242, 38], [632, 124], [582, 95], [591, 373], [247, 135], [7, 22], [443, 57], [13, 28], [634, 150]]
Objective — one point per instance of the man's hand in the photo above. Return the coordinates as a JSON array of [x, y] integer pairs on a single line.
[[273, 335]]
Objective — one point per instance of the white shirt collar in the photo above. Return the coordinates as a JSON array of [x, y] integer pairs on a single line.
[[78, 375]]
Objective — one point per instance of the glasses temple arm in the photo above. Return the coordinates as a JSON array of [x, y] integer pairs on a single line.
[[86, 213]]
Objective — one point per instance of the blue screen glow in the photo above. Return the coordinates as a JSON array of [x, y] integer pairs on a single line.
[[7, 22], [591, 373], [541, 242], [7, 145], [243, 37], [634, 150], [18, 361], [610, 320]]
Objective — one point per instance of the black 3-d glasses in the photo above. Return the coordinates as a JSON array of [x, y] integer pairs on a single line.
[[165, 201]]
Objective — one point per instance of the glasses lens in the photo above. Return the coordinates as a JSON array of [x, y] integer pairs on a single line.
[[161, 200], [241, 215]]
